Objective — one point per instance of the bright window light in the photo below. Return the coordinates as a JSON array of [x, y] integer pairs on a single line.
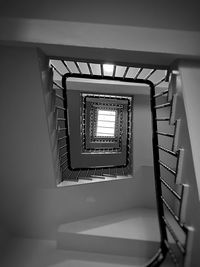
[[106, 123], [108, 68]]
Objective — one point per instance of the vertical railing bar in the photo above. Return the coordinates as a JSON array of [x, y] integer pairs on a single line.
[[61, 147], [59, 86], [168, 151], [114, 71], [61, 119], [172, 254], [65, 168], [168, 74], [60, 108], [60, 97], [150, 74], [63, 162], [165, 134], [138, 73], [89, 68], [162, 119], [159, 82], [179, 245], [162, 93], [163, 105], [170, 189], [79, 70], [102, 72], [56, 70], [173, 215], [61, 138], [77, 176], [61, 156], [65, 64], [125, 72], [167, 167], [70, 174], [170, 209], [87, 173], [56, 117]]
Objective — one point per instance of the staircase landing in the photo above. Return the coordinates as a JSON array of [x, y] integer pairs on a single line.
[[132, 232]]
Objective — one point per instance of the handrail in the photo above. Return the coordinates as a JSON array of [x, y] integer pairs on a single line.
[[163, 250], [163, 205]]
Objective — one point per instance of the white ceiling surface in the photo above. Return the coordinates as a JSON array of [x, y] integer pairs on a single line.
[[156, 76]]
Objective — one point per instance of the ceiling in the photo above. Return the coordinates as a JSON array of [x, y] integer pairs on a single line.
[[176, 15]]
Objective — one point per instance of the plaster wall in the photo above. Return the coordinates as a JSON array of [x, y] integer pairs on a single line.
[[190, 80], [31, 205], [186, 85]]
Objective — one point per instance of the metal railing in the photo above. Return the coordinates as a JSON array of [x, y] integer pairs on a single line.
[[174, 214], [101, 173], [163, 206]]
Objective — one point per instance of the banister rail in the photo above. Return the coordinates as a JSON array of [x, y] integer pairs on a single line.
[[160, 255], [101, 173]]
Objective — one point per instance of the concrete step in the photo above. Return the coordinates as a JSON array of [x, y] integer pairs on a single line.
[[92, 180], [86, 259], [43, 253], [133, 233]]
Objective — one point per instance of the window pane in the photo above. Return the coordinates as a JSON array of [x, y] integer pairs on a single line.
[[109, 124], [106, 112], [106, 118], [106, 130], [106, 123], [104, 135]]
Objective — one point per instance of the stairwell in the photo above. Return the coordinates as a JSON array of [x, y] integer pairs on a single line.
[[100, 229]]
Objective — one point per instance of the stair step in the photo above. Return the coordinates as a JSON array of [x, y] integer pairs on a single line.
[[85, 259], [40, 253], [132, 233], [90, 179]]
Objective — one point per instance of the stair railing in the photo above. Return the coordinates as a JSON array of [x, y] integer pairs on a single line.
[[166, 228], [163, 205], [163, 250], [177, 230], [63, 144]]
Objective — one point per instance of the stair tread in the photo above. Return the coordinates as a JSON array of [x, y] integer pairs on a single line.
[[40, 253], [88, 259], [137, 223], [96, 180]]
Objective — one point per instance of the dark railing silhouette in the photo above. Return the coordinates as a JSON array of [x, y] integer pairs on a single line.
[[100, 173]]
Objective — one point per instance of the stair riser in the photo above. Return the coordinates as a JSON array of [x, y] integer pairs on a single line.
[[107, 245]]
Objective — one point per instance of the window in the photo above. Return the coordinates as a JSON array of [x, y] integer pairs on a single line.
[[102, 126], [106, 123]]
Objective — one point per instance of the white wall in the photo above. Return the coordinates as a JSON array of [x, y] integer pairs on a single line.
[[4, 239], [190, 80], [187, 109], [31, 205], [26, 160]]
